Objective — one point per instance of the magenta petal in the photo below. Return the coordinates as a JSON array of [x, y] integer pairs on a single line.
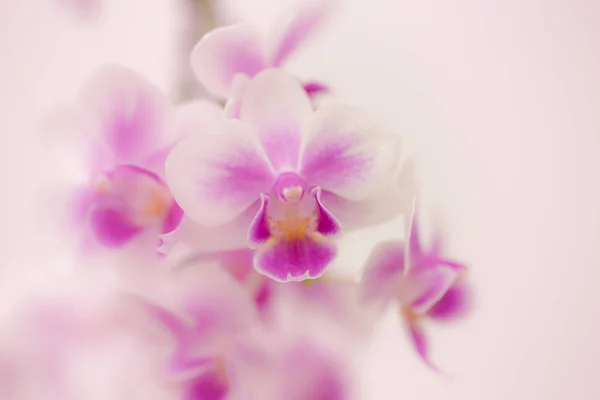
[[315, 88], [328, 225], [430, 285], [419, 341], [112, 228], [259, 228], [210, 385], [173, 218], [454, 304], [296, 259]]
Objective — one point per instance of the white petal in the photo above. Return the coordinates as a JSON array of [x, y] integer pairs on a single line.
[[276, 106]]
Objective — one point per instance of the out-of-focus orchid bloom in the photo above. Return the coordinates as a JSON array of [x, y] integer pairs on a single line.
[[86, 342], [425, 284], [307, 370], [292, 168], [229, 51], [124, 131], [211, 318]]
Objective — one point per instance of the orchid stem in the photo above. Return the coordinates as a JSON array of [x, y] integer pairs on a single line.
[[199, 17]]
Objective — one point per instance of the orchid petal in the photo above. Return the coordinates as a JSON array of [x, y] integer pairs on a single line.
[[210, 385], [398, 200], [384, 268], [172, 219], [428, 286], [347, 154], [216, 178], [225, 52], [455, 303], [276, 105], [259, 231], [203, 239], [112, 228], [318, 374], [130, 114], [314, 89], [296, 259], [234, 102], [195, 117], [328, 224], [303, 22], [419, 341]]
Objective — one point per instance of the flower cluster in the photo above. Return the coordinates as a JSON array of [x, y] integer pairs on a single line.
[[220, 226]]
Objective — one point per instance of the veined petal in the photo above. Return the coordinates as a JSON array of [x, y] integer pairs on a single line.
[[344, 152], [214, 178], [296, 259], [384, 268], [276, 105], [225, 52], [130, 114], [428, 286], [295, 30]]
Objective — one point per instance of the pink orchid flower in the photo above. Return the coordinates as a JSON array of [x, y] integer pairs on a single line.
[[318, 372], [125, 127], [86, 342], [226, 52], [283, 171], [424, 283], [210, 318]]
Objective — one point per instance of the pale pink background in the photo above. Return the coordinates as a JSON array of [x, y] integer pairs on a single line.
[[500, 100]]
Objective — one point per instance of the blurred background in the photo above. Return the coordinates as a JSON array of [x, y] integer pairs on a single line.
[[498, 100]]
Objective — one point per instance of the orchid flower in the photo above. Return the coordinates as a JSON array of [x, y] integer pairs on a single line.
[[424, 283], [282, 171], [85, 342], [210, 318], [318, 373], [240, 49], [125, 129]]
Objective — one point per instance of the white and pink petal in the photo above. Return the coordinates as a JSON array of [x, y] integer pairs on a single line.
[[225, 52], [345, 152], [216, 177], [276, 106], [130, 115]]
